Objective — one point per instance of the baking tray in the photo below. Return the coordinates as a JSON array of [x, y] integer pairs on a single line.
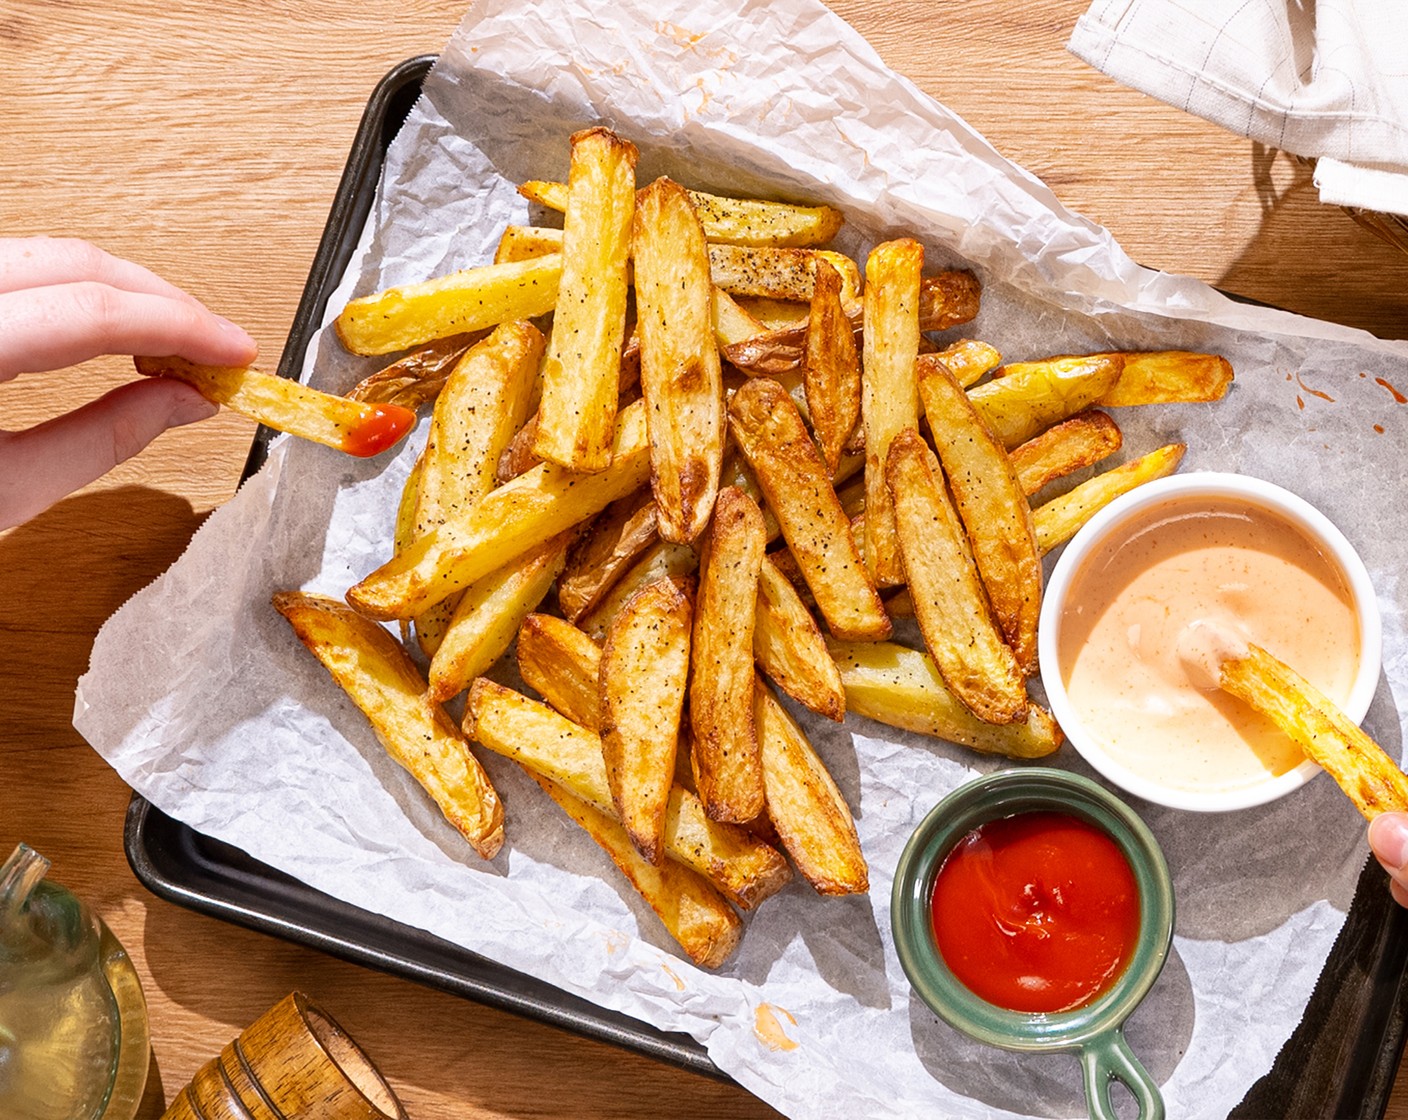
[[1340, 1061]]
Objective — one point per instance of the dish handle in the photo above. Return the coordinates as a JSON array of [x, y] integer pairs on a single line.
[[1107, 1058]]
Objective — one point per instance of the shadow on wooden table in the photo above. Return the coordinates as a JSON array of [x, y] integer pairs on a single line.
[[1341, 279]]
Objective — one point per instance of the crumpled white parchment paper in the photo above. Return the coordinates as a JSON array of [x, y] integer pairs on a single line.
[[199, 695]]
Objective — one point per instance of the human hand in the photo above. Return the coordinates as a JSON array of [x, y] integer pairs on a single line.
[[63, 301], [1388, 839]]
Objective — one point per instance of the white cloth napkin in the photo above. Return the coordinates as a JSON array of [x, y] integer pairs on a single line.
[[1321, 78]]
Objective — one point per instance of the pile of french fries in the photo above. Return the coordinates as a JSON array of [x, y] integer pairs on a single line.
[[738, 457]]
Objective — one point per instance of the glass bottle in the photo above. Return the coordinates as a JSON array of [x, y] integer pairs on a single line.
[[74, 1043]]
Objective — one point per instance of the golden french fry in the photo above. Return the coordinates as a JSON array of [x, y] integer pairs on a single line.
[[692, 911], [901, 687], [731, 221], [488, 616], [1168, 377], [775, 314], [581, 373], [417, 378], [732, 321], [777, 274], [617, 539], [1029, 397], [1058, 520], [946, 300], [831, 369], [890, 389], [355, 427], [727, 770], [949, 601], [662, 560], [505, 523], [769, 432], [526, 243], [643, 673], [563, 665], [812, 819], [790, 649], [991, 505], [484, 401], [1083, 440], [373, 669], [746, 870], [681, 379], [1359, 766], [472, 299], [968, 360]]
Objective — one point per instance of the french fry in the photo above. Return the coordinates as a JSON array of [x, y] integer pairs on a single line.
[[662, 560], [769, 432], [947, 299], [563, 665], [901, 687], [488, 616], [617, 539], [775, 314], [1058, 520], [1359, 766], [355, 427], [1082, 441], [889, 390], [1029, 397], [732, 322], [831, 369], [681, 379], [470, 300], [581, 373], [526, 243], [373, 669], [790, 649], [746, 870], [1168, 377], [417, 378], [692, 911], [991, 505], [968, 360], [949, 601], [731, 221], [643, 674], [727, 770], [780, 274], [811, 817], [484, 401], [505, 523]]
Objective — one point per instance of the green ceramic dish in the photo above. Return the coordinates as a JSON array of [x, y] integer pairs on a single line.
[[1095, 1030]]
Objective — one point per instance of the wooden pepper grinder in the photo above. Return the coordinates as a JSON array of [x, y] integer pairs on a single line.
[[292, 1063]]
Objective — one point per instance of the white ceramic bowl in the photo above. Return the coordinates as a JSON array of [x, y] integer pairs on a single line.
[[1116, 518]]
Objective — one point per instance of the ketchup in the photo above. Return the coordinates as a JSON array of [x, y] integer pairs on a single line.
[[376, 429], [1036, 912]]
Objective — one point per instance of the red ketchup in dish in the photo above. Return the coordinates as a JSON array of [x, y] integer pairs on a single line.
[[1036, 912], [378, 427]]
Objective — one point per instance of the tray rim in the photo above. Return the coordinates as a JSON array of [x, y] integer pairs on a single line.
[[1369, 1073]]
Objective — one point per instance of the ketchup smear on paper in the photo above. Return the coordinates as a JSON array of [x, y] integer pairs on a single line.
[[1037, 912], [378, 428]]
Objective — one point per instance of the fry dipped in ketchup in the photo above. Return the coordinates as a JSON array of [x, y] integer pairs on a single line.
[[356, 427]]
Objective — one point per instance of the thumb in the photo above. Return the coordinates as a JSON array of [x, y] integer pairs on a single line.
[[43, 464]]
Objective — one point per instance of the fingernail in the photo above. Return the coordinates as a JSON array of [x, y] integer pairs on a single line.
[[191, 410], [1388, 837], [237, 333]]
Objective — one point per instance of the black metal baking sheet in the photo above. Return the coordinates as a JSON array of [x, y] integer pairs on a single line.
[[1340, 1061]]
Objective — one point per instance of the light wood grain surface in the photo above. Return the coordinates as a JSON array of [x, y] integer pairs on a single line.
[[206, 142]]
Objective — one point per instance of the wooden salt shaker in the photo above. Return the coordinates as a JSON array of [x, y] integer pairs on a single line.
[[292, 1063]]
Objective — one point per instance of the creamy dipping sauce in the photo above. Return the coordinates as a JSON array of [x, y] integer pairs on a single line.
[[1133, 647]]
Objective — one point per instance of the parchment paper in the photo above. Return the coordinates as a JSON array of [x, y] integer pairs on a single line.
[[201, 698]]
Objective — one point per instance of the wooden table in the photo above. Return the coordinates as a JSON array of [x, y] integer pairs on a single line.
[[206, 142]]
